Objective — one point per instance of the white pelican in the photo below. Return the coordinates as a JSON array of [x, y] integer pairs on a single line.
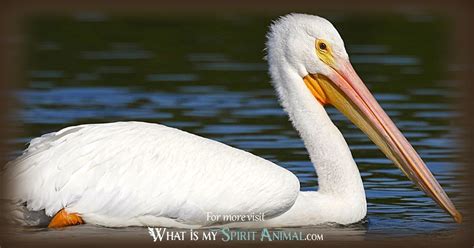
[[142, 174]]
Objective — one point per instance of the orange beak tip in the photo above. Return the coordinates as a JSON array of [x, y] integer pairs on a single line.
[[457, 217]]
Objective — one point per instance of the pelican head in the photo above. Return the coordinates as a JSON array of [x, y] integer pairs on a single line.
[[310, 48]]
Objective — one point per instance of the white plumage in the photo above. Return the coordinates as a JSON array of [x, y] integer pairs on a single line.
[[133, 173]]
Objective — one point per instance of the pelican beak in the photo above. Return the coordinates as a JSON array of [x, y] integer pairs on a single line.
[[343, 89]]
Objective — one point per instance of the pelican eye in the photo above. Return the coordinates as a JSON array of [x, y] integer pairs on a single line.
[[324, 51], [322, 46]]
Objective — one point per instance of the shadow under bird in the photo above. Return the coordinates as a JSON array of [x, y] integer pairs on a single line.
[[143, 174]]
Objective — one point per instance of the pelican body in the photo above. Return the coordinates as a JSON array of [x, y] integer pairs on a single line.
[[143, 174]]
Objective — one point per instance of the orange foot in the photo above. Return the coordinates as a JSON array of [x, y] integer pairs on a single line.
[[63, 219]]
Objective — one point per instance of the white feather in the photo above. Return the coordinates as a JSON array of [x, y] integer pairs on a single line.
[[116, 174]]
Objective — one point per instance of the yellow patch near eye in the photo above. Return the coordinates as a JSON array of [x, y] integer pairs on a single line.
[[324, 52]]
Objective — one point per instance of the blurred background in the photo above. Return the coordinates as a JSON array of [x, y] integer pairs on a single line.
[[206, 74]]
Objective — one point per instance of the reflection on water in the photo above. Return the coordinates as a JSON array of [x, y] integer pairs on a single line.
[[196, 74]]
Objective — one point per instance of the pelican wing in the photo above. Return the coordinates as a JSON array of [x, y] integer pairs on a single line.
[[134, 173]]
